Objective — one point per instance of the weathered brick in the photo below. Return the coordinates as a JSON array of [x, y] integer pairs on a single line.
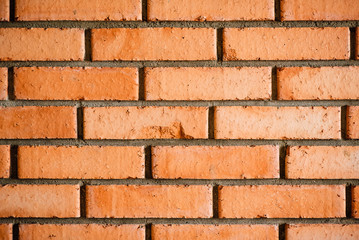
[[65, 83], [355, 201], [322, 231], [60, 201], [38, 122], [207, 162], [282, 201], [6, 231], [353, 122], [156, 201], [89, 162], [4, 10], [286, 43], [4, 161], [207, 83], [357, 45], [236, 122], [154, 44], [145, 122], [39, 44], [3, 83], [84, 10]]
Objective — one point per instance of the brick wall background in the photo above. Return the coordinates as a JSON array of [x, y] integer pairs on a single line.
[[158, 119]]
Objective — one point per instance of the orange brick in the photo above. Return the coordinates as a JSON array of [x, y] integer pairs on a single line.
[[3, 83], [4, 10], [322, 162], [236, 122], [4, 161], [38, 122], [209, 10], [357, 41], [322, 231], [39, 44], [81, 231], [282, 201], [60, 201], [89, 162], [353, 122], [286, 43], [154, 44], [84, 10], [6, 231], [145, 122], [355, 201], [324, 83], [319, 10], [207, 162], [156, 201], [207, 83], [65, 83], [214, 232]]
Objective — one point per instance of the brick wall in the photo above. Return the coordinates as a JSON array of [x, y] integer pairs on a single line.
[[184, 119]]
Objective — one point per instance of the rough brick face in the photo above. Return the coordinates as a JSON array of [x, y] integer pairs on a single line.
[[38, 44], [322, 231], [76, 83], [106, 162], [285, 43], [214, 84], [6, 231], [3, 83], [355, 201], [83, 10], [4, 10], [4, 161], [353, 122], [206, 162], [277, 123], [60, 201], [38, 122], [282, 201], [154, 44], [200, 10], [357, 46]]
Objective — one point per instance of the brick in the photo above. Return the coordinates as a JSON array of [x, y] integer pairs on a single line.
[[3, 83], [322, 231], [87, 162], [83, 10], [81, 231], [214, 232], [282, 201], [4, 10], [230, 10], [38, 122], [319, 10], [215, 83], [65, 83], [322, 162], [4, 161], [353, 122], [355, 201], [286, 43], [135, 44], [6, 231], [156, 201], [39, 44], [145, 122], [357, 41], [208, 162], [236, 122], [46, 201]]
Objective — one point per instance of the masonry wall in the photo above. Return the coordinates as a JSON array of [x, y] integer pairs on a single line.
[[159, 119]]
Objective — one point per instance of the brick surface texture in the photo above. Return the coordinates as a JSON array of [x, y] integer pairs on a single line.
[[164, 119]]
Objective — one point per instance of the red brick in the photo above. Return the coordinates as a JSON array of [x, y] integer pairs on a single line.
[[353, 122], [282, 201], [84, 10], [286, 43], [209, 10], [156, 201], [81, 231], [236, 122], [3, 83], [4, 161], [319, 10], [215, 83], [39, 44], [322, 231], [207, 162], [65, 83], [38, 122], [324, 83], [145, 122], [4, 10], [355, 201], [6, 231], [60, 201], [154, 44], [89, 162], [215, 232], [357, 41], [322, 162]]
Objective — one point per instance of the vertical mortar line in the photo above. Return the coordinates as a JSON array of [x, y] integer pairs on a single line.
[[88, 48], [12, 11], [148, 162], [274, 84], [13, 162], [348, 201], [281, 231], [144, 10], [215, 190], [211, 122], [141, 84], [352, 43], [15, 231], [282, 154], [80, 120], [277, 10], [10, 85], [83, 200], [219, 44], [343, 122], [148, 233]]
